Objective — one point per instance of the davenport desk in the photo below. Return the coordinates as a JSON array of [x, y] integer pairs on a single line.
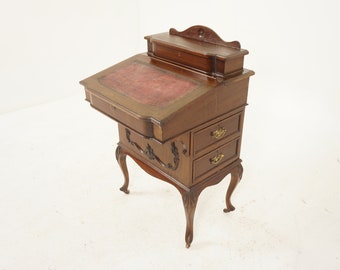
[[180, 110]]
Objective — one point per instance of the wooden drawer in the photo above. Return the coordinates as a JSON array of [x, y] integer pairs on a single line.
[[216, 159], [183, 57], [198, 48], [218, 133], [119, 114]]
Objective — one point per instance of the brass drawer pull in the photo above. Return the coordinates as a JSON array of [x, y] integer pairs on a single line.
[[216, 159], [219, 133]]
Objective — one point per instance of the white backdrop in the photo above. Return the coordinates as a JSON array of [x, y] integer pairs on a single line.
[[56, 169], [48, 46]]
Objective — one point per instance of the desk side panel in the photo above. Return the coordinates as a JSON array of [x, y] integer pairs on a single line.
[[226, 97], [172, 157]]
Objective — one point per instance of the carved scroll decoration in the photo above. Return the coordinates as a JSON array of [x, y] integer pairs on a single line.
[[149, 152], [205, 34]]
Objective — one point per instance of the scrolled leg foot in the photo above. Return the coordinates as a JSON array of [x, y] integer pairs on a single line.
[[125, 190], [229, 208], [236, 175], [121, 159], [189, 235]]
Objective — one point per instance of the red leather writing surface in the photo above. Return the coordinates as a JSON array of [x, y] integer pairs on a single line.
[[148, 85]]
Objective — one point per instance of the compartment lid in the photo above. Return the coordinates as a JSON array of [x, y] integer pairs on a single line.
[[155, 98]]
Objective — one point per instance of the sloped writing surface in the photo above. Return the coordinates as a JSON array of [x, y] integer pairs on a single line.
[[148, 85]]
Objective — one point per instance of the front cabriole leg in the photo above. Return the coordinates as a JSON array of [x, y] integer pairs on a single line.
[[121, 159], [236, 175], [189, 202]]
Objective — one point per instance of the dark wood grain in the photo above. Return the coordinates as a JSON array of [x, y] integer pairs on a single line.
[[180, 110], [204, 34]]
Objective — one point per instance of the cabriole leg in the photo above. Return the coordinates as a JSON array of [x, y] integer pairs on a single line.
[[189, 202], [236, 175], [121, 159]]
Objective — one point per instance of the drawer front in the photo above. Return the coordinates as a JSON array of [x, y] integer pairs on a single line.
[[218, 133], [118, 114], [214, 160], [182, 57]]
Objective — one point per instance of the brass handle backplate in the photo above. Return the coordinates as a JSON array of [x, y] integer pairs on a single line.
[[216, 159], [149, 152], [219, 133]]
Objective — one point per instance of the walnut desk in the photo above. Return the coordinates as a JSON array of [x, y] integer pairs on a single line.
[[180, 110]]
